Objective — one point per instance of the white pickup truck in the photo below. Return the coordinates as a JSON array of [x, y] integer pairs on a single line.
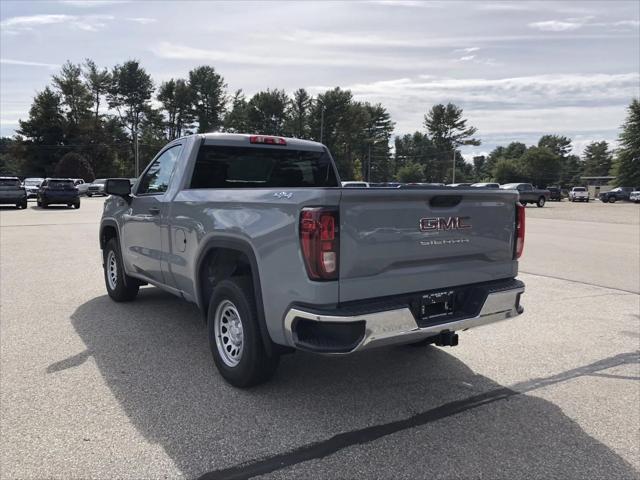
[[579, 194]]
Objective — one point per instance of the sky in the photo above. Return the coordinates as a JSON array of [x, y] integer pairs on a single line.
[[518, 69]]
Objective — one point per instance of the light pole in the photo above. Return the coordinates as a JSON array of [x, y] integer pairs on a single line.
[[453, 174], [322, 123]]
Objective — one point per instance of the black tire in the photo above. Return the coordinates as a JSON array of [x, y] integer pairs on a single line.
[[44, 204], [254, 365], [612, 200], [122, 288], [38, 203], [76, 205], [540, 203], [24, 205], [88, 195], [524, 204]]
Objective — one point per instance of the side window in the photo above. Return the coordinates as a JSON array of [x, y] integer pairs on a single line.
[[156, 179], [527, 188], [44, 184]]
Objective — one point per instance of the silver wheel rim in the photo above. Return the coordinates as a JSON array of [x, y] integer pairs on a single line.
[[229, 333], [542, 201], [112, 270]]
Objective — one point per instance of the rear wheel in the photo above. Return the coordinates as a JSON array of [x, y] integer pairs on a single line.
[[234, 335], [120, 287], [612, 199], [524, 204], [88, 195], [541, 201]]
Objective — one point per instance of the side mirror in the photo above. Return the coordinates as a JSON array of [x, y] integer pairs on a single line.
[[118, 186]]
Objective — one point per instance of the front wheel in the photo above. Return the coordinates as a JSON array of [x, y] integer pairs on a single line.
[[541, 201], [88, 195], [234, 335], [76, 205], [120, 286], [612, 199]]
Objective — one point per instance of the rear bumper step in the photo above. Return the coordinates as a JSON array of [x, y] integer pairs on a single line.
[[339, 334]]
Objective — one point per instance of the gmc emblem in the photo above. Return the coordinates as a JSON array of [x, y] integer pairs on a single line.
[[437, 224]]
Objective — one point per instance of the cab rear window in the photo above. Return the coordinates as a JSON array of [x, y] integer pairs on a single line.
[[9, 182], [60, 184], [251, 167]]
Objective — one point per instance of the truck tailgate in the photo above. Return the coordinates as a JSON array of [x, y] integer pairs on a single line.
[[395, 241]]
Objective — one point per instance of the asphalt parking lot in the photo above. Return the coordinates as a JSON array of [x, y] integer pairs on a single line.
[[94, 389]]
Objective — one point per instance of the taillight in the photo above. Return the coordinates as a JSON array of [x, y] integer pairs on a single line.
[[268, 140], [320, 242], [519, 231]]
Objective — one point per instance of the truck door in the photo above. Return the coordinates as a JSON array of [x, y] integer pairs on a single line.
[[143, 224]]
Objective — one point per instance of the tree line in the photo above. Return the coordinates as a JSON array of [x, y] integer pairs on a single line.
[[95, 122]]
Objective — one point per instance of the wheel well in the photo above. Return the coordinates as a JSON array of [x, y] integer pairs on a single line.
[[107, 234], [220, 264]]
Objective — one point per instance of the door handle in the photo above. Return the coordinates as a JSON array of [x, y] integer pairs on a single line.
[[154, 211]]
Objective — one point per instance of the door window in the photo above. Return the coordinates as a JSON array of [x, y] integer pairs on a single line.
[[157, 177]]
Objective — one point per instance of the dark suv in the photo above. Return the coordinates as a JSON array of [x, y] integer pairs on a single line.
[[555, 194], [618, 193], [58, 190], [12, 192]]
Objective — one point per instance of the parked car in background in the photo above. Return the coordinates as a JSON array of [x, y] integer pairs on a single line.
[[96, 187], [635, 196], [579, 194], [58, 191], [12, 192], [354, 184], [528, 194], [555, 194], [485, 185], [458, 185], [618, 193], [133, 181], [81, 185], [32, 185]]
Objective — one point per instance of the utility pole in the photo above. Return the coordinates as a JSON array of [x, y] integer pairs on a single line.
[[137, 152], [322, 123], [453, 175], [369, 164]]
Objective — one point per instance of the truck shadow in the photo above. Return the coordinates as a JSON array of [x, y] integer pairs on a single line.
[[154, 356]]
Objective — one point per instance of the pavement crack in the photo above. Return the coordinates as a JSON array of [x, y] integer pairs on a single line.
[[324, 448]]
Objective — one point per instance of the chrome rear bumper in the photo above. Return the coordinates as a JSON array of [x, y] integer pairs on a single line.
[[399, 326]]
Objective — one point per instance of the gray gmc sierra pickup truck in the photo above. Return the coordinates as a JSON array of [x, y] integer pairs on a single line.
[[258, 233]]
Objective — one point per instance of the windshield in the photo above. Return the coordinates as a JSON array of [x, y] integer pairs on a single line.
[[9, 182], [60, 184], [249, 167], [100, 181], [33, 182]]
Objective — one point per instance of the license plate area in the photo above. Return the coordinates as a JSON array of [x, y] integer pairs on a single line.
[[438, 305]]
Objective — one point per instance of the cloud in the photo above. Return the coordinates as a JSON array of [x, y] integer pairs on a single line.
[[90, 23], [407, 3], [28, 22], [627, 23], [8, 61], [467, 50], [91, 3], [539, 103], [571, 24], [556, 26], [141, 20], [393, 62], [467, 58]]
